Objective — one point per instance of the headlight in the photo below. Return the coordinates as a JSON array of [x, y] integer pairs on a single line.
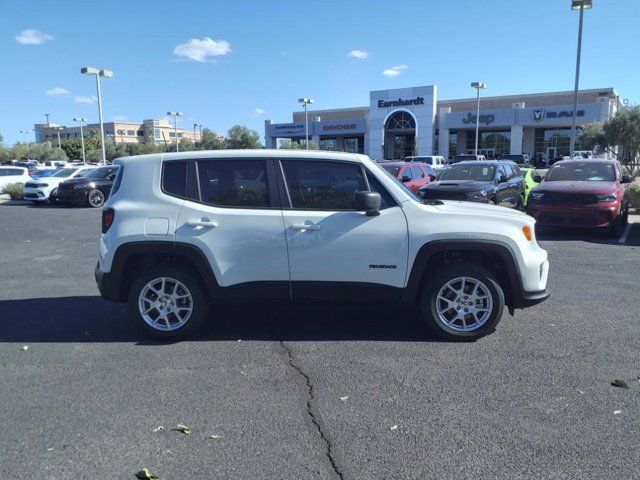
[[480, 194], [608, 197], [536, 196]]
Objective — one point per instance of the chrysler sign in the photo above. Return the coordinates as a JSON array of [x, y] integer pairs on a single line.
[[400, 102]]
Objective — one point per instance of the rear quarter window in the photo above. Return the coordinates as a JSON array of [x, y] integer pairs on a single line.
[[174, 178]]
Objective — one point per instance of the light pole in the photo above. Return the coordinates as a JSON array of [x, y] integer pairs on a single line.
[[58, 132], [99, 73], [175, 116], [305, 102], [478, 86], [26, 136], [195, 125], [48, 123], [577, 5], [80, 120]]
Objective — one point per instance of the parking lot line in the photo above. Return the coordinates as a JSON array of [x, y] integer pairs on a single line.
[[625, 235]]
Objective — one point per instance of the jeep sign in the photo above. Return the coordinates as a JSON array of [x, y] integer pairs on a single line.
[[484, 119]]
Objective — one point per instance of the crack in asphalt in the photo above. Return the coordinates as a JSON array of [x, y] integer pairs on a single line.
[[312, 410]]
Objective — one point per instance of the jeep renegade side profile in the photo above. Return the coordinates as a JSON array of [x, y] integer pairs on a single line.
[[186, 230]]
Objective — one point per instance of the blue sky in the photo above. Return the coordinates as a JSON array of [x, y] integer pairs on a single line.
[[265, 55]]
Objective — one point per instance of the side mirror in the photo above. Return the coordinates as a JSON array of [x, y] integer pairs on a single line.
[[406, 179], [503, 179], [368, 202], [432, 178], [537, 178], [626, 179]]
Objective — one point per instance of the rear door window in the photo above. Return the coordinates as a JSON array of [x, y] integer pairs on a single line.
[[234, 183]]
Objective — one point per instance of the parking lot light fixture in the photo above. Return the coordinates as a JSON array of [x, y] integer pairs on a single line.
[[478, 86], [175, 116], [26, 136], [99, 73], [580, 5], [80, 120], [58, 132], [305, 102]]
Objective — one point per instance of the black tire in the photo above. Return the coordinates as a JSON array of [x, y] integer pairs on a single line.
[[95, 198], [619, 225], [520, 204], [199, 302], [438, 279], [493, 201], [53, 197]]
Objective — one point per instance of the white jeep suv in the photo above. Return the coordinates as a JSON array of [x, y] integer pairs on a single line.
[[182, 231]]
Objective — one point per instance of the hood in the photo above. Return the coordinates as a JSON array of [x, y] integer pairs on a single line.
[[482, 209], [576, 187], [458, 185]]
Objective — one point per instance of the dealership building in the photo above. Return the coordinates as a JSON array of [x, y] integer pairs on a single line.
[[413, 121]]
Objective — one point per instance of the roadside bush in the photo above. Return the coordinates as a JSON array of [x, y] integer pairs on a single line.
[[14, 190], [634, 197]]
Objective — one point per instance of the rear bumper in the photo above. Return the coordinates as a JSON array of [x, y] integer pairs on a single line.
[[108, 285]]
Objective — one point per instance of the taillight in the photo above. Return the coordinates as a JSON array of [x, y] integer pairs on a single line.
[[108, 214]]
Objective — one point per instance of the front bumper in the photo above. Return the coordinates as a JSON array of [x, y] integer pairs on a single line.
[[600, 215], [36, 194], [72, 196]]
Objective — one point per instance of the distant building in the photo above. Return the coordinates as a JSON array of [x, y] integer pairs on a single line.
[[155, 131], [413, 121]]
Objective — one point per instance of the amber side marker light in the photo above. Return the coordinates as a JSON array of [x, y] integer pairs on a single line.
[[527, 232]]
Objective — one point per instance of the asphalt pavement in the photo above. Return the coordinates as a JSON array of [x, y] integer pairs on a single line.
[[312, 391]]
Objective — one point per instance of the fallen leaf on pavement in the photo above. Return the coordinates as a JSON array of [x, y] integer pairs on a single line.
[[393, 427], [346, 397], [618, 382], [49, 449], [25, 348], [183, 428], [617, 412], [145, 474], [159, 429], [215, 437]]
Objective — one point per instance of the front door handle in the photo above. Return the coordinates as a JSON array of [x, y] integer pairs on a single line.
[[201, 222], [305, 226]]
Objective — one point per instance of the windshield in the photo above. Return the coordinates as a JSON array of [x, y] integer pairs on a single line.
[[100, 173], [84, 172], [460, 158], [581, 172], [398, 182], [64, 173], [479, 173], [515, 158], [392, 169]]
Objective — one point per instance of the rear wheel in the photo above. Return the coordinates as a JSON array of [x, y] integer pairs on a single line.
[[168, 302], [462, 302]]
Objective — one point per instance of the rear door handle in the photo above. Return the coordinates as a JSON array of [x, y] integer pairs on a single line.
[[201, 222], [305, 226]]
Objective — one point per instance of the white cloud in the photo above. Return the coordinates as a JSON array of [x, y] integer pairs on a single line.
[[31, 36], [395, 70], [259, 111], [361, 54], [91, 99], [57, 91], [202, 50]]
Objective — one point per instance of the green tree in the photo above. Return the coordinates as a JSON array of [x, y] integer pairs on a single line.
[[73, 148], [210, 141], [240, 137]]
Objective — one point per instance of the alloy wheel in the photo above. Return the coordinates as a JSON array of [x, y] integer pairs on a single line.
[[96, 198], [165, 304], [464, 304]]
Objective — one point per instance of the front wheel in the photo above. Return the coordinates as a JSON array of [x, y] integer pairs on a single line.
[[95, 198], [619, 225], [462, 302], [168, 302], [53, 197]]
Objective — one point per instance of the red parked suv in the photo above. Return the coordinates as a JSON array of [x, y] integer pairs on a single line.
[[581, 193], [413, 174]]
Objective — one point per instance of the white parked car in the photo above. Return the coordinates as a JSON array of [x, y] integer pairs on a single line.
[[44, 189], [9, 174], [182, 231], [437, 162]]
